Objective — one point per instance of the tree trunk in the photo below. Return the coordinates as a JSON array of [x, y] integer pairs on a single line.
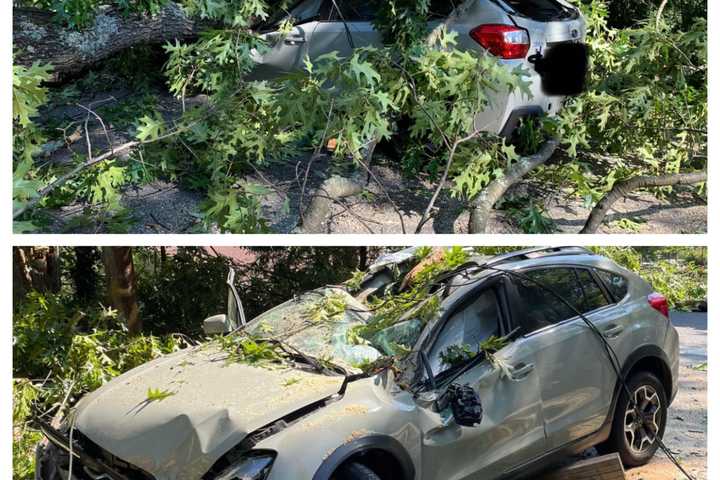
[[83, 273], [22, 279], [36, 37], [625, 188], [122, 287], [35, 268], [486, 200]]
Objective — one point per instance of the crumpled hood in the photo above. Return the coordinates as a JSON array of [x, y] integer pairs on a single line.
[[215, 404]]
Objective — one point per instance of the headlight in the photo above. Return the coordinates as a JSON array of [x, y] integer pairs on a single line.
[[251, 466]]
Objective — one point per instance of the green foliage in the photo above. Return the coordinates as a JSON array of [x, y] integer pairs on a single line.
[[71, 351], [679, 273], [177, 292], [28, 92], [243, 349], [79, 14], [331, 309], [29, 95], [158, 395], [533, 220], [356, 100], [646, 105]]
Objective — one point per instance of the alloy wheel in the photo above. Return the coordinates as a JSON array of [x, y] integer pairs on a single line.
[[642, 420]]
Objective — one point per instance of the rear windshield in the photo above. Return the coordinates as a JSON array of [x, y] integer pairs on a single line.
[[543, 10]]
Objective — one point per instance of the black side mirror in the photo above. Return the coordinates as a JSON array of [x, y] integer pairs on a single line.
[[465, 404]]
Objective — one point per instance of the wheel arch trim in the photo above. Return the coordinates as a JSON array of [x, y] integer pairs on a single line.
[[368, 443]]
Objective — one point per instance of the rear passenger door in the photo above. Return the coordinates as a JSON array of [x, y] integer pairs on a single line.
[[576, 377], [347, 24]]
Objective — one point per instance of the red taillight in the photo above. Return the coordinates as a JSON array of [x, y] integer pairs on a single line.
[[504, 41], [659, 303]]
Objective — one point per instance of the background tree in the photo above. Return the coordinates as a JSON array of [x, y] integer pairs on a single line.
[[84, 272], [36, 268], [122, 285]]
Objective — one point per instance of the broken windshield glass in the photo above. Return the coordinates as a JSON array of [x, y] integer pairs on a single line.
[[318, 323]]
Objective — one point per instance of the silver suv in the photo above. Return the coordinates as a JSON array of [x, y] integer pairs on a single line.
[[543, 36], [430, 401]]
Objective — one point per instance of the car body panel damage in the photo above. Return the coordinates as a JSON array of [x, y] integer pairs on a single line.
[[456, 332], [214, 405]]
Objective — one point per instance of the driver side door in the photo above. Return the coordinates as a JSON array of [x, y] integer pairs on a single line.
[[511, 432]]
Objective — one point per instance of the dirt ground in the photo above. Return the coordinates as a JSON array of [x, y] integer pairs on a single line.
[[164, 207], [686, 432]]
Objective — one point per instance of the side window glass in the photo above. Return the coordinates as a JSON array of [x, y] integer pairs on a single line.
[[616, 284], [305, 12], [440, 9], [594, 296], [539, 308], [462, 334], [353, 11]]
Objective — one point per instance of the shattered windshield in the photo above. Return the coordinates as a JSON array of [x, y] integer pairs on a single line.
[[319, 323], [330, 323]]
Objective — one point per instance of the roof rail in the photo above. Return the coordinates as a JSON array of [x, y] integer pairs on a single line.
[[538, 252]]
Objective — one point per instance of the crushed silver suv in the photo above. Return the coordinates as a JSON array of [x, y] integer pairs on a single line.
[[545, 37], [502, 367]]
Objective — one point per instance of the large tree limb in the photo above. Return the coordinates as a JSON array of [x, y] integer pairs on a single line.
[[483, 204], [332, 189], [625, 188], [36, 37]]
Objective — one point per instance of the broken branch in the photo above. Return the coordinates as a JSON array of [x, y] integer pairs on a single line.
[[486, 200], [626, 187]]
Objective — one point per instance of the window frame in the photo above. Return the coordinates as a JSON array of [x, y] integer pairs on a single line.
[[616, 301], [516, 314], [497, 283], [326, 11]]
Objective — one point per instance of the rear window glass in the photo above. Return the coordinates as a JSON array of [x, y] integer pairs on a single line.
[[353, 11], [616, 284], [440, 9], [540, 307], [540, 9], [594, 296]]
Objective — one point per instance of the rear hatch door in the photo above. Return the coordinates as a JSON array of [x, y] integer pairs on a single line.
[[557, 33]]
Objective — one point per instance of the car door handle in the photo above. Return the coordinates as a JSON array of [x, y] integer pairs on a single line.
[[520, 372], [294, 40], [613, 331]]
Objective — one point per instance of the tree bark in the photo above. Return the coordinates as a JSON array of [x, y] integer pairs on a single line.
[[486, 200], [122, 285], [35, 268], [36, 37], [332, 189], [22, 279], [625, 188]]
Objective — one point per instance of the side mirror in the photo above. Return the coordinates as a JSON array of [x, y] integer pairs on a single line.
[[217, 325], [465, 404]]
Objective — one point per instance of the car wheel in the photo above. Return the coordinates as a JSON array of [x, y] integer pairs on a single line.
[[355, 471], [637, 426]]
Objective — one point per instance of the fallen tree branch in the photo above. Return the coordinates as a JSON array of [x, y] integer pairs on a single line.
[[486, 200], [334, 188], [626, 187], [38, 38], [61, 180]]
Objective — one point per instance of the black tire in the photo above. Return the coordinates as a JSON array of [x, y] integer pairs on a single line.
[[643, 385], [354, 471]]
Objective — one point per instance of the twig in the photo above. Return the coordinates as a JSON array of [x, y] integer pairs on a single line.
[[383, 190]]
